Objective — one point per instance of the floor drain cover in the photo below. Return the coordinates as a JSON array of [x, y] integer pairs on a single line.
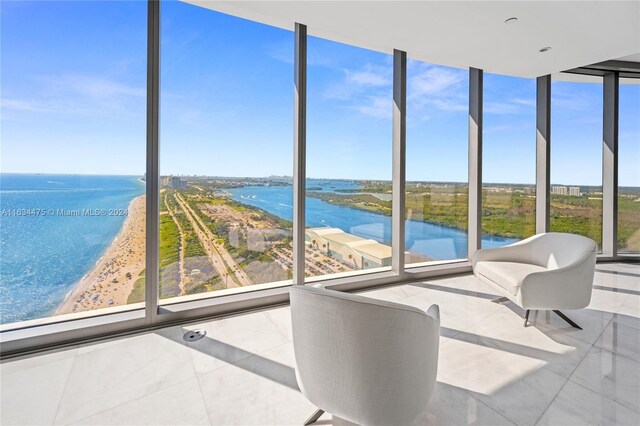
[[194, 335]]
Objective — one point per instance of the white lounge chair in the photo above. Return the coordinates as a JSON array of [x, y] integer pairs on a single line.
[[550, 271], [364, 360]]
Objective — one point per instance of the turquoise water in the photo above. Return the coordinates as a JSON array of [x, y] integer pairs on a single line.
[[434, 241], [44, 256]]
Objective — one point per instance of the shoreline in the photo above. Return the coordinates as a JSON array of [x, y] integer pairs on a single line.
[[107, 284]]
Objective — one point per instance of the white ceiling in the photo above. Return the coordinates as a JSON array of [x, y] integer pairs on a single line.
[[632, 58], [465, 33]]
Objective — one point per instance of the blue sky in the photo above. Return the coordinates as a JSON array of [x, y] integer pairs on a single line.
[[73, 101]]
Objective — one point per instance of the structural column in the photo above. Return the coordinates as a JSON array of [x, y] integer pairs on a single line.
[[610, 165], [299, 151], [475, 161], [399, 160], [152, 176], [543, 152]]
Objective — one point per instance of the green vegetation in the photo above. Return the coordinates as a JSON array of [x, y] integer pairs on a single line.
[[163, 206], [373, 186], [169, 241], [508, 214], [629, 221], [169, 256], [204, 287], [366, 202], [579, 215], [507, 210], [437, 205], [137, 292], [246, 256], [193, 246]]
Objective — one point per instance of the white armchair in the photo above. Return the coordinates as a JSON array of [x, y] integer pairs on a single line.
[[364, 360], [550, 271]]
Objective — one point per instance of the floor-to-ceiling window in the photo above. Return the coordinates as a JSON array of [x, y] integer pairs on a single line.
[[629, 167], [349, 122], [508, 160], [72, 188], [437, 174], [576, 158], [73, 158], [225, 153]]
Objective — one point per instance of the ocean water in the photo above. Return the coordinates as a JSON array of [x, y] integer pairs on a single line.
[[435, 241], [43, 257]]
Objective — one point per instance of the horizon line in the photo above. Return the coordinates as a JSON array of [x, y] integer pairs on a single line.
[[308, 178]]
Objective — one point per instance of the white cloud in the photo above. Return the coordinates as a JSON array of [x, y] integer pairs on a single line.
[[366, 90], [280, 52], [451, 105], [433, 88], [431, 80], [575, 102], [366, 78], [525, 102], [21, 105], [379, 107], [97, 87], [73, 95]]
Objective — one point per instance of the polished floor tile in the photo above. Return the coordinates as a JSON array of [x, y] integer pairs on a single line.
[[492, 369], [577, 405], [181, 404], [499, 378], [614, 376], [32, 395], [103, 379], [620, 339]]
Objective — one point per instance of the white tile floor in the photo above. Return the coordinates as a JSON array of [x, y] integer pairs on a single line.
[[492, 370]]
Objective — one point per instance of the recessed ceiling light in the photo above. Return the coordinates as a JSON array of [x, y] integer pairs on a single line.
[[545, 49], [510, 21]]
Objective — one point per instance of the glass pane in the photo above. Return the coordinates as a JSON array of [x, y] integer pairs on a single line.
[[629, 167], [226, 153], [349, 121], [72, 189], [437, 163], [576, 159], [509, 160]]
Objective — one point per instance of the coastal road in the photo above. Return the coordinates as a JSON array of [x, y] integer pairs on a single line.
[[182, 244], [220, 257], [239, 274]]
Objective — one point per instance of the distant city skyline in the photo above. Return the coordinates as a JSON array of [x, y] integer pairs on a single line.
[[485, 183], [76, 104]]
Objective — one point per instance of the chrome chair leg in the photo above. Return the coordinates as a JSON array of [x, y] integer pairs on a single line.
[[567, 319]]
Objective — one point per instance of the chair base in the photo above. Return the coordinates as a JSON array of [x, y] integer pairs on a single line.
[[314, 417], [567, 319], [557, 312]]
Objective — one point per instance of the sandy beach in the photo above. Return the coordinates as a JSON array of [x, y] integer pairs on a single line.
[[111, 281]]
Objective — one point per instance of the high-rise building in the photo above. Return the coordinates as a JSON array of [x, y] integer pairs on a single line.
[[559, 190]]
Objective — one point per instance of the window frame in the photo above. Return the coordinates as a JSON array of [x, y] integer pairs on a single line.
[[68, 331]]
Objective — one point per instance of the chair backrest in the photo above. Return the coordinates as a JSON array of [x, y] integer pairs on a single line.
[[367, 361], [555, 250]]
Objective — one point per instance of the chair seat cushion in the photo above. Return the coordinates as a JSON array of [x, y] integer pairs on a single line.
[[508, 275]]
